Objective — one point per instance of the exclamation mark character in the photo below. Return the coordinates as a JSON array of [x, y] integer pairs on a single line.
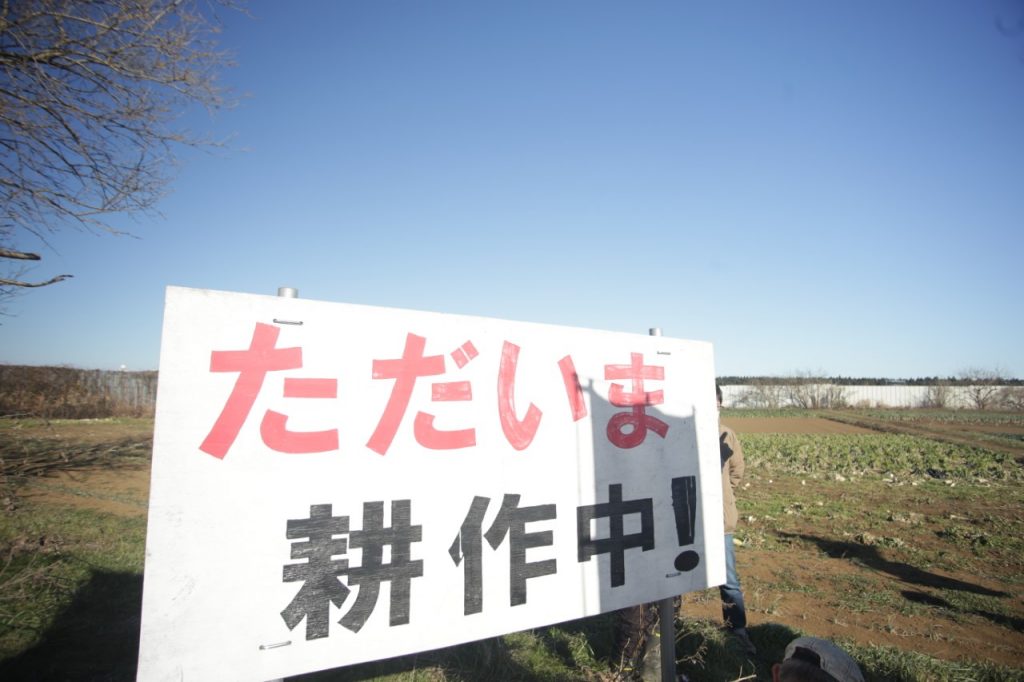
[[684, 504]]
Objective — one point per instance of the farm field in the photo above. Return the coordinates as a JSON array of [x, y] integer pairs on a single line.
[[929, 561], [898, 534]]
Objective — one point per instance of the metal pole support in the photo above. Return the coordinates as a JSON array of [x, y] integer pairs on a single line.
[[666, 640]]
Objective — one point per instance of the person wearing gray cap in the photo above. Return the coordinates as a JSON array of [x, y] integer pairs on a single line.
[[810, 659]]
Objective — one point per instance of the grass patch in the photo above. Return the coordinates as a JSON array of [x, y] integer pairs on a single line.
[[70, 593], [581, 650], [889, 664], [707, 654]]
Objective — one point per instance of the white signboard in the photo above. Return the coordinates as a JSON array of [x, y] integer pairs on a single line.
[[335, 484]]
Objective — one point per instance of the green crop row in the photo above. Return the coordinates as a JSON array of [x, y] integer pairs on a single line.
[[767, 412], [871, 455], [947, 416]]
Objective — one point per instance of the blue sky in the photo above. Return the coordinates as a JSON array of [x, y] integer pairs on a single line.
[[812, 186]]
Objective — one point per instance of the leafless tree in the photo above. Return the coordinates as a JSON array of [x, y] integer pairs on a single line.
[[938, 396], [982, 386], [813, 392], [1012, 398], [763, 393], [89, 94]]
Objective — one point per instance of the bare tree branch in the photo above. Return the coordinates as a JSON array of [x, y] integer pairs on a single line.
[[89, 94], [17, 255], [20, 283]]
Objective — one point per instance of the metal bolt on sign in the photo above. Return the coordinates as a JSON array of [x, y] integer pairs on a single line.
[[288, 292], [283, 292]]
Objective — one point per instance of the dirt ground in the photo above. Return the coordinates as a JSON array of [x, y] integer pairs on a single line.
[[123, 491], [118, 489], [813, 568], [798, 587], [793, 586], [792, 425], [1002, 436]]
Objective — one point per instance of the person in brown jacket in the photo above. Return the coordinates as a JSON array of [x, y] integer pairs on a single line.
[[733, 611]]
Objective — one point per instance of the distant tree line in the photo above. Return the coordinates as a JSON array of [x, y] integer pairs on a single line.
[[67, 392], [982, 389], [70, 393], [867, 381]]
